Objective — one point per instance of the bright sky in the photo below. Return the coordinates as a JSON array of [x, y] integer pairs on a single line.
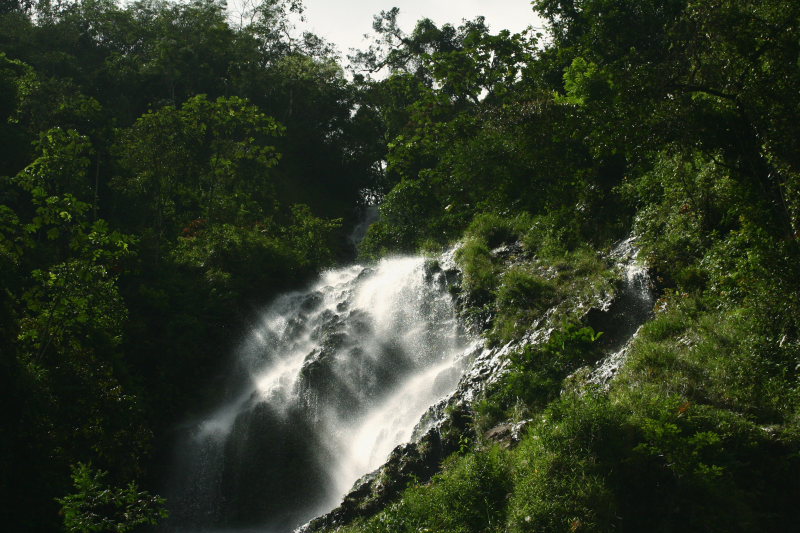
[[344, 22]]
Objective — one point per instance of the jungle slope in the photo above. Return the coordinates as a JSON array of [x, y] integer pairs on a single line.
[[164, 172], [672, 120]]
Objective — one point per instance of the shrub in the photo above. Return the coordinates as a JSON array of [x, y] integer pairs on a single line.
[[718, 356], [521, 297], [496, 229], [560, 479], [650, 462], [536, 372], [481, 276], [552, 235], [469, 495], [98, 507]]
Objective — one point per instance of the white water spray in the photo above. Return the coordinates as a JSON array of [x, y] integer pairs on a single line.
[[331, 381]]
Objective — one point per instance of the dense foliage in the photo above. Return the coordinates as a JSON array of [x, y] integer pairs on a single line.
[[668, 119], [164, 171]]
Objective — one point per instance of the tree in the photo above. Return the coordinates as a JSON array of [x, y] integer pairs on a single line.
[[65, 315], [96, 507], [205, 160]]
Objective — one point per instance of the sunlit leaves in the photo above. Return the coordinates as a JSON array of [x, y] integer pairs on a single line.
[[239, 259], [54, 180], [60, 168], [70, 305], [584, 81], [98, 507]]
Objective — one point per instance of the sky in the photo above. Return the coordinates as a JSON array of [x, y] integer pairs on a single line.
[[344, 22]]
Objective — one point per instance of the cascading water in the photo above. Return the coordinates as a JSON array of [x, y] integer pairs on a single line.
[[632, 307], [327, 385]]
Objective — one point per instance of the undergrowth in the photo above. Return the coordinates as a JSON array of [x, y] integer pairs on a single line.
[[647, 461], [700, 431], [515, 269]]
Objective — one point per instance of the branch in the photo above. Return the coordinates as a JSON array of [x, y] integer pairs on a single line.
[[702, 89]]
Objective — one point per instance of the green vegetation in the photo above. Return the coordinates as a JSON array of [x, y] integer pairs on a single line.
[[716, 357], [469, 495], [511, 287], [165, 171], [594, 463], [96, 507], [667, 119]]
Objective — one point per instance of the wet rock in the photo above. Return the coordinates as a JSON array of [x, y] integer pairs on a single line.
[[509, 252], [607, 369], [411, 462], [621, 318], [502, 434], [507, 434], [431, 268], [311, 302]]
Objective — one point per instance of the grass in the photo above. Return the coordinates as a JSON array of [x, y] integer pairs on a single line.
[[698, 433], [516, 287], [521, 298], [718, 356], [592, 462], [468, 495], [495, 229]]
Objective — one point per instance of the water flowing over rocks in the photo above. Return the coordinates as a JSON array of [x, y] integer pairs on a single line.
[[443, 428], [329, 383]]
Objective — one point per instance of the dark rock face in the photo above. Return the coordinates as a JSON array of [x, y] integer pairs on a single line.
[[507, 434], [254, 488], [632, 305]]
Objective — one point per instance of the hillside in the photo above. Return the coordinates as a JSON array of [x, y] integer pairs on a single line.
[[165, 173]]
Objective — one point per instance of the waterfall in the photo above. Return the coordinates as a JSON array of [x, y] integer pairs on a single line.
[[624, 317], [327, 384]]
